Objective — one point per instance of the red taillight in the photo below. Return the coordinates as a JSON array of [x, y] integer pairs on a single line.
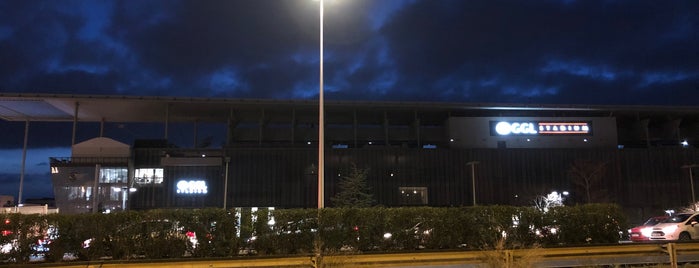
[[190, 234], [7, 221], [6, 232], [356, 228]]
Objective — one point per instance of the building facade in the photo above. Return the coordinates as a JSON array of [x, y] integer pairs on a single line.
[[244, 153]]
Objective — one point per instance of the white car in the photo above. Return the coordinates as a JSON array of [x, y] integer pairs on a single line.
[[678, 227]]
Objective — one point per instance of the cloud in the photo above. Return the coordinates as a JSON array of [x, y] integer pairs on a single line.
[[512, 51], [434, 50], [37, 177]]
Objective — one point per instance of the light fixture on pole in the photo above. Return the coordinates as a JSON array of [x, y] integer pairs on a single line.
[[321, 123], [691, 183], [473, 178]]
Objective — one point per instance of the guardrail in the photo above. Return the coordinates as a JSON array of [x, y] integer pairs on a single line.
[[29, 209], [650, 253]]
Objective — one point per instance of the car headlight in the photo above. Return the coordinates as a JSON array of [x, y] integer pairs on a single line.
[[387, 236], [670, 229], [647, 231]]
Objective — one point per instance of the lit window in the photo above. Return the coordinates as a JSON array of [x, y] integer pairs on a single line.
[[77, 192], [148, 175], [413, 195], [113, 175]]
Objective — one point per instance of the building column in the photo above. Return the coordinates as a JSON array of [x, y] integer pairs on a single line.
[[416, 125], [293, 126], [24, 161], [354, 127], [167, 120], [385, 129], [75, 122]]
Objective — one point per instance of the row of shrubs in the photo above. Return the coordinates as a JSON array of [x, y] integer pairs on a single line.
[[225, 233]]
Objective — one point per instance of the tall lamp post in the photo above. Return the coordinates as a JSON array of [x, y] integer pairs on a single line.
[[473, 179], [691, 183], [321, 124]]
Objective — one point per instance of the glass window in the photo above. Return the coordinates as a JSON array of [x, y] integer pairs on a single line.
[[114, 193], [148, 175], [113, 175], [79, 192], [413, 195]]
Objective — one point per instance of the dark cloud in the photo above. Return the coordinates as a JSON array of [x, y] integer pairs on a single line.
[[640, 52], [597, 52], [35, 185], [60, 133], [599, 47]]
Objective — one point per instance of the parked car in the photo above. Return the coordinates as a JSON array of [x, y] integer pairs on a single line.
[[642, 232], [149, 239], [415, 237], [678, 227]]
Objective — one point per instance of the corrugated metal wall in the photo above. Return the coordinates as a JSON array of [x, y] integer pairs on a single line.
[[634, 177], [642, 179]]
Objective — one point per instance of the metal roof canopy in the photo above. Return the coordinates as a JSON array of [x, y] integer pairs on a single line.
[[134, 109]]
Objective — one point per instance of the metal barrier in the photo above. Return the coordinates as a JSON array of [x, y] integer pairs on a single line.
[[29, 209], [650, 253]]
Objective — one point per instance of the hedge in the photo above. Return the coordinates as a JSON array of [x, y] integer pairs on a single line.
[[157, 234]]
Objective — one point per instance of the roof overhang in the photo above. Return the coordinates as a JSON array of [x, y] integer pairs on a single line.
[[127, 109]]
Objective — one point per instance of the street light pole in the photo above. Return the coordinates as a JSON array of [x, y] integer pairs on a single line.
[[225, 184], [473, 179], [321, 124], [691, 183]]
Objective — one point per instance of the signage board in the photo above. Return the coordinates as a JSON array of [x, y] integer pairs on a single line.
[[192, 187], [554, 128]]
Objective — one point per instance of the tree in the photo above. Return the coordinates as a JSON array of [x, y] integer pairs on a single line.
[[588, 176], [354, 191]]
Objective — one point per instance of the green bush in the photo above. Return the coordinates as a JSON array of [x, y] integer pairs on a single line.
[[22, 233], [159, 234]]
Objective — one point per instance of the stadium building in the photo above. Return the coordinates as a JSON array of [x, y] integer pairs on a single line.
[[165, 152]]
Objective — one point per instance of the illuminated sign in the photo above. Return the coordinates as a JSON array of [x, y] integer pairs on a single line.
[[192, 187], [507, 128], [564, 128], [504, 128]]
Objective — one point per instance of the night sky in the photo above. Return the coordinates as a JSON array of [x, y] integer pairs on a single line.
[[634, 52]]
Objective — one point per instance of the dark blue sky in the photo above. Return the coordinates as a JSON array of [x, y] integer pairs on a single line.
[[558, 51], [635, 52]]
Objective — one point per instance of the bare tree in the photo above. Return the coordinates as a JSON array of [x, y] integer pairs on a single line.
[[588, 175]]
